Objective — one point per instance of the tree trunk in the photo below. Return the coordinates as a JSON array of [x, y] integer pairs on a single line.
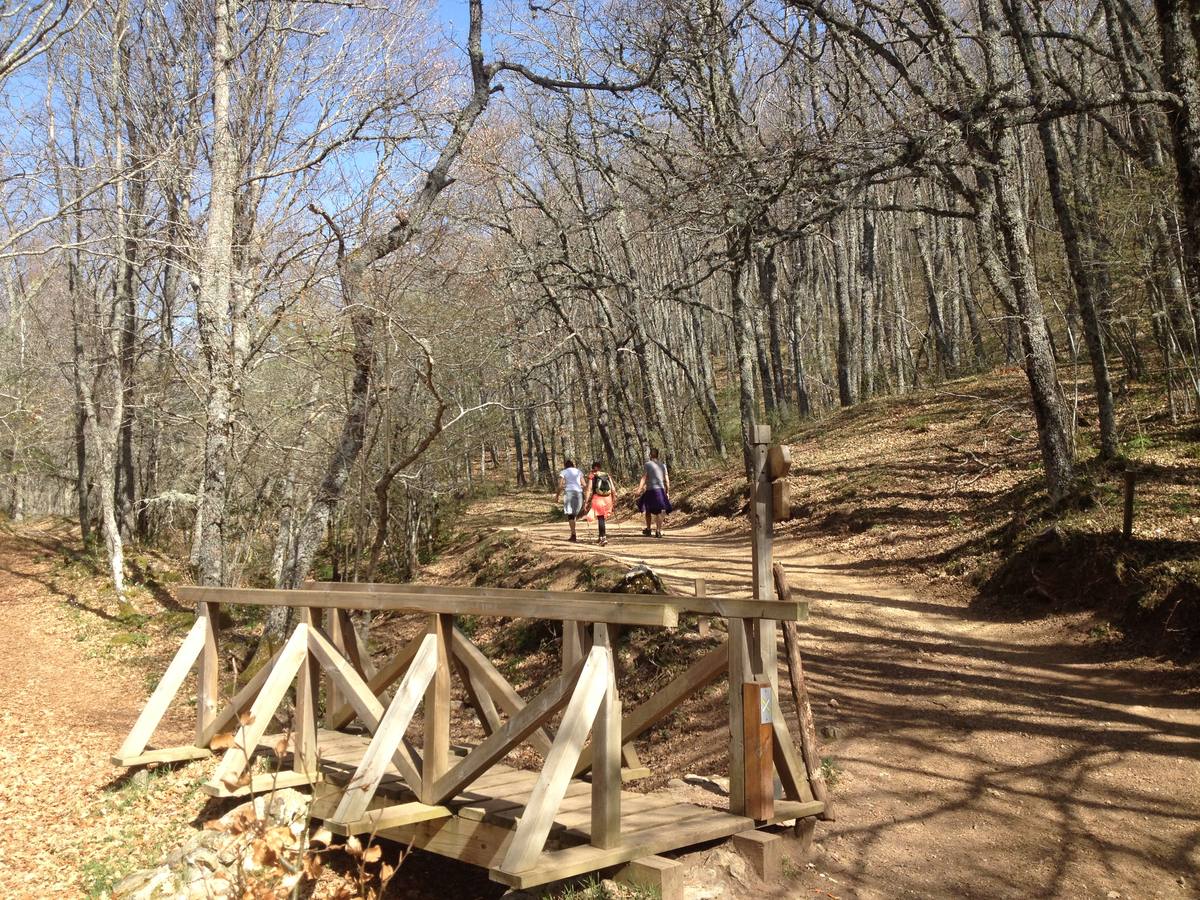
[[213, 308], [1053, 432], [1179, 26], [738, 252], [845, 331], [1077, 263]]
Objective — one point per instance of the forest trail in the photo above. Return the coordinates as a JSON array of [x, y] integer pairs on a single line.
[[62, 714], [979, 758]]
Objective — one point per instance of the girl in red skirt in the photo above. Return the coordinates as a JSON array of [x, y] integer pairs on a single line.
[[602, 495]]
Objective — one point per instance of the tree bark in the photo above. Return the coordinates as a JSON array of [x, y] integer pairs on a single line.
[[213, 307]]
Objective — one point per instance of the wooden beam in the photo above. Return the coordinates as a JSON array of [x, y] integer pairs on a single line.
[[619, 608], [364, 702], [477, 696], [304, 718], [739, 673], [240, 701], [356, 646], [495, 747], [702, 672], [559, 864], [333, 697], [262, 783], [495, 685], [792, 771], [574, 643], [765, 606], [436, 752], [164, 755], [790, 809], [387, 675], [365, 781], [531, 833], [816, 788], [400, 814], [168, 686], [245, 741], [208, 669], [467, 840], [757, 740], [606, 776], [703, 623]]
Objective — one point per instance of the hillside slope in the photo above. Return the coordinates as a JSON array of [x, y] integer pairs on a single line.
[[944, 486]]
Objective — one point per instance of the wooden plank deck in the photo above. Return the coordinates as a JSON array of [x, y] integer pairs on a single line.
[[482, 818]]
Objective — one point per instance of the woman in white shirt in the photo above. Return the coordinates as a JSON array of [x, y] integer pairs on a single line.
[[570, 492]]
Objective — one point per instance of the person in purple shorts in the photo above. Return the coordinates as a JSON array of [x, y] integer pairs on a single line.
[[653, 494]]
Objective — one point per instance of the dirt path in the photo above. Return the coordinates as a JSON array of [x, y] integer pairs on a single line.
[[61, 717], [978, 758]]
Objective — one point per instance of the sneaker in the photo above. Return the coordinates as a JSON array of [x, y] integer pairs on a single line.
[[645, 532], [658, 533], [572, 539], [603, 542]]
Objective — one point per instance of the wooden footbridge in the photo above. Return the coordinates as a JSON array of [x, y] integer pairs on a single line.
[[351, 744]]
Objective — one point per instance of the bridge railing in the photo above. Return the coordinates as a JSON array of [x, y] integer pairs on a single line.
[[585, 693]]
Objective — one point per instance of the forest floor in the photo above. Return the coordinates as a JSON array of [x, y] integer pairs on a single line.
[[973, 758], [68, 815]]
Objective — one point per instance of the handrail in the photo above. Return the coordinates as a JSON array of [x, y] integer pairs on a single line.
[[618, 609], [707, 604]]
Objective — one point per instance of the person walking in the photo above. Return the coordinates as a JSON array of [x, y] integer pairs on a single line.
[[602, 496], [654, 493], [570, 492]]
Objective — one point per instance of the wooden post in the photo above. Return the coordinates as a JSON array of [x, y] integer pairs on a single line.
[[1127, 525], [333, 696], [207, 672], [304, 722], [808, 732], [574, 643], [757, 735], [739, 674], [760, 510], [606, 757], [436, 751], [703, 623], [356, 646], [761, 634]]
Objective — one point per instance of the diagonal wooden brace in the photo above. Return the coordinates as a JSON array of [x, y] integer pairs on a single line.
[[233, 764], [366, 705], [512, 733], [530, 837], [387, 739], [164, 693]]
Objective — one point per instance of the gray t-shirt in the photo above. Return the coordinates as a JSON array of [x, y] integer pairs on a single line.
[[656, 475]]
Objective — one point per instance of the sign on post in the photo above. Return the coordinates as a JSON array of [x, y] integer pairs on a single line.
[[757, 734]]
